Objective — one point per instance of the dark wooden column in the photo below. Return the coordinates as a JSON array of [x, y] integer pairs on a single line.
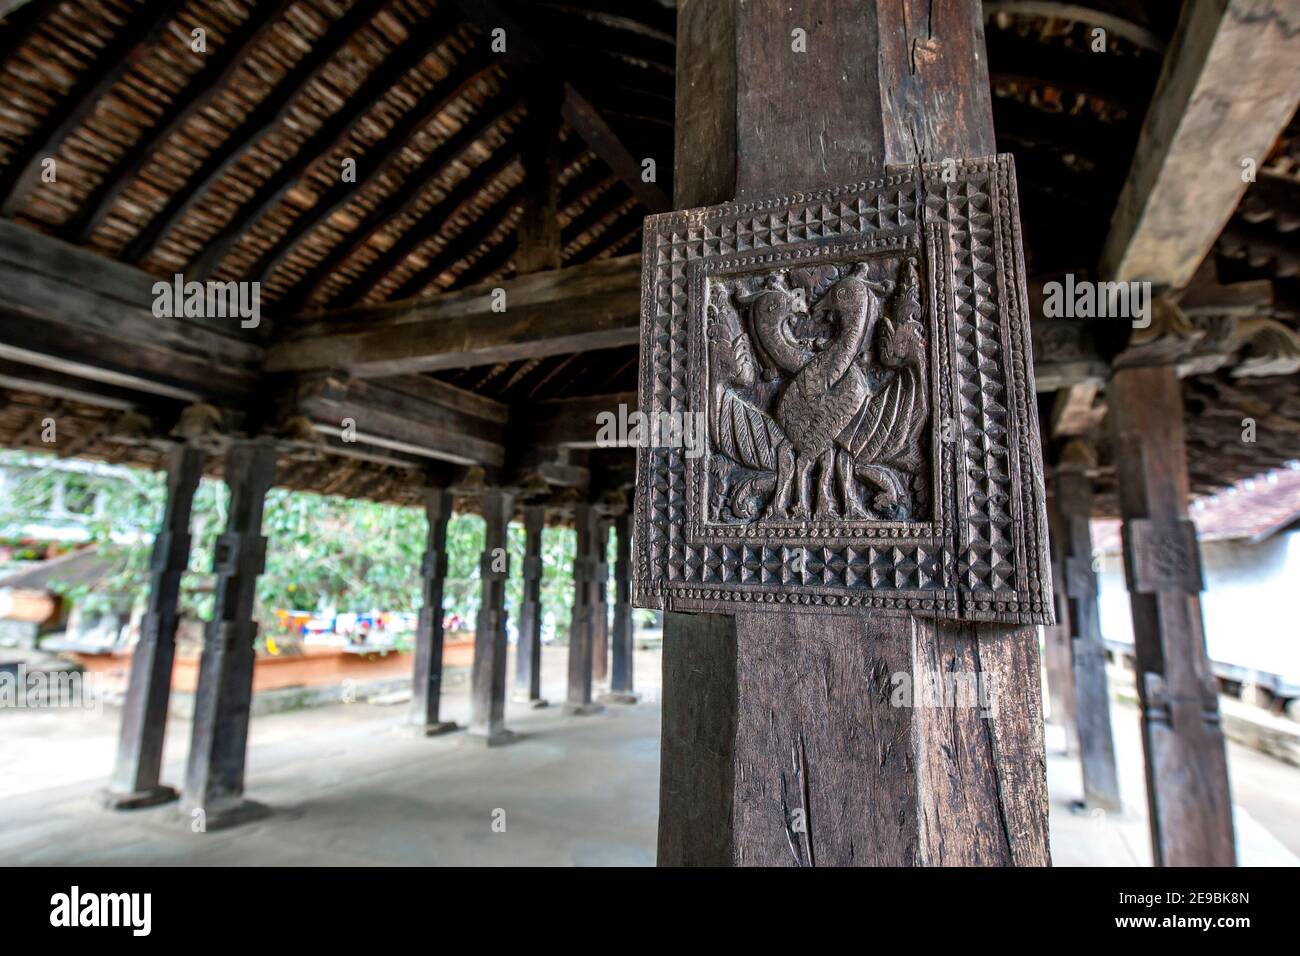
[[426, 686], [1058, 660], [488, 678], [586, 524], [136, 776], [1187, 775], [214, 775], [1088, 653], [528, 655], [780, 745], [539, 229], [600, 605], [620, 683]]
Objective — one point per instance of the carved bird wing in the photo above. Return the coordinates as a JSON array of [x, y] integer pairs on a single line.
[[746, 434], [892, 418]]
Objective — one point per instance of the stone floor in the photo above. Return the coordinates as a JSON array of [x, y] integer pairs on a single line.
[[348, 788]]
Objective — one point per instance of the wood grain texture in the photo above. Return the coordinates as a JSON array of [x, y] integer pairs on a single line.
[[782, 743], [1057, 658], [144, 712], [1189, 804], [528, 659], [794, 734], [426, 683], [214, 773], [622, 649], [1087, 650], [698, 740], [1227, 89]]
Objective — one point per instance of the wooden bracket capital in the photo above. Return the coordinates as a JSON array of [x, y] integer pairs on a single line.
[[1161, 557]]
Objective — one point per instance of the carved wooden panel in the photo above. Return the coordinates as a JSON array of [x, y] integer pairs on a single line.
[[857, 361]]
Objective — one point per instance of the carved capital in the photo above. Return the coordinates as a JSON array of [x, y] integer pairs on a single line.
[[1161, 557]]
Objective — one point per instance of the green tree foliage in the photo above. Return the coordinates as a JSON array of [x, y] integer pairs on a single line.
[[323, 553]]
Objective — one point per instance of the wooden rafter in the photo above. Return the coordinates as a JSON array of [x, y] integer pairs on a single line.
[[464, 241], [131, 43], [218, 70], [372, 166], [496, 258], [577, 109], [1090, 14], [400, 202], [330, 135], [1226, 90], [20, 21], [268, 115]]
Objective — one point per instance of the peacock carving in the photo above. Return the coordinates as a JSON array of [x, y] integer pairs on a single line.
[[818, 395]]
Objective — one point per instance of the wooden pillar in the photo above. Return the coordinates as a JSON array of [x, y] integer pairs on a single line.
[[1088, 653], [539, 246], [528, 655], [488, 677], [781, 743], [426, 686], [620, 683], [1058, 660], [1187, 774], [136, 775], [600, 605], [578, 699], [214, 775]]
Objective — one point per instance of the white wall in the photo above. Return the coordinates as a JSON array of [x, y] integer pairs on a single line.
[[1251, 603]]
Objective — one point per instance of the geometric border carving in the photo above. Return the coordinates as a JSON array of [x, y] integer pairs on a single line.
[[979, 553]]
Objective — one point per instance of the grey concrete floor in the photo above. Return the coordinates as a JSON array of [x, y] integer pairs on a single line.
[[1265, 796], [347, 788]]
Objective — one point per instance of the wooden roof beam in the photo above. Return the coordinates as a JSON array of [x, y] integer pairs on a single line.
[[330, 135], [1227, 89], [424, 419], [547, 313], [376, 163], [68, 310], [135, 40], [404, 199], [571, 422], [577, 109], [266, 116], [219, 69]]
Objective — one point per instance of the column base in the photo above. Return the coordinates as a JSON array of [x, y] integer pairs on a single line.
[[536, 703], [226, 815], [430, 730], [139, 799], [619, 697], [501, 738], [584, 710], [1083, 807]]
